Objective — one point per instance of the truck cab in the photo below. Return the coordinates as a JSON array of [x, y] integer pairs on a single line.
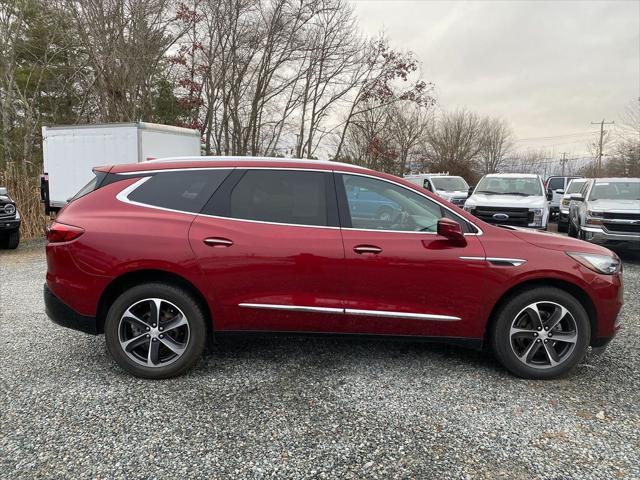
[[452, 188]]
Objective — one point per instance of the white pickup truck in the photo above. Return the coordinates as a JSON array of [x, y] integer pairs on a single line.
[[516, 199]]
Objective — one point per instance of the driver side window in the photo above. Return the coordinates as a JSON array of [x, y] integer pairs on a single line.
[[378, 205]]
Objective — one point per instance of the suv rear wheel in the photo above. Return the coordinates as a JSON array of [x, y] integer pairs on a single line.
[[155, 330], [541, 333]]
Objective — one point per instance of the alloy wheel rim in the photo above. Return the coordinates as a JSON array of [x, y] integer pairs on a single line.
[[153, 332], [543, 335]]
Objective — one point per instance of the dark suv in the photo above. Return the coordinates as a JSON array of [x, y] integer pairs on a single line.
[[161, 256], [9, 221]]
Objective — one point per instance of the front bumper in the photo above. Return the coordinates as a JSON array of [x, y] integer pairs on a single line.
[[62, 314], [9, 224], [599, 235]]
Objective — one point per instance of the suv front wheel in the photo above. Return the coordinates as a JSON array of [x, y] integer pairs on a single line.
[[541, 333], [155, 331]]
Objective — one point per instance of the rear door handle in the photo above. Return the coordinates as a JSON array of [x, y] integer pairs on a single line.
[[367, 249], [218, 242]]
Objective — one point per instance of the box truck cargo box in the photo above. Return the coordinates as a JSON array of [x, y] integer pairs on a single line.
[[71, 152]]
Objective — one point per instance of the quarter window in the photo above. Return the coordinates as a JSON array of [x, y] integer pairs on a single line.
[[281, 196], [379, 205], [186, 191]]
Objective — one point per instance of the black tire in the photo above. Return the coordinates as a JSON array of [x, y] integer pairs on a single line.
[[504, 349], [563, 227], [184, 301], [572, 230], [11, 240]]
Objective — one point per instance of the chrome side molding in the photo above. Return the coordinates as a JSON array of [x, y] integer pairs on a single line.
[[352, 311], [498, 261]]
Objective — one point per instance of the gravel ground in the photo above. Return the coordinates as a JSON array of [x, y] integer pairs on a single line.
[[305, 408]]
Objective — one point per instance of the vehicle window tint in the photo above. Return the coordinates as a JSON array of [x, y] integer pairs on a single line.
[[186, 191], [379, 205], [556, 183], [281, 196]]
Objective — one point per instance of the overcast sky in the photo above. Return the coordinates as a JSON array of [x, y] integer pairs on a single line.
[[549, 67]]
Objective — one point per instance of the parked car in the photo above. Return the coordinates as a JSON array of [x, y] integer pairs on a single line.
[[452, 188], [9, 221], [609, 211], [510, 199], [71, 151], [161, 256], [574, 188], [557, 186]]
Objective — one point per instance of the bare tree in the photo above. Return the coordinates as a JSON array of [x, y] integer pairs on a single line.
[[125, 43], [454, 142], [496, 142]]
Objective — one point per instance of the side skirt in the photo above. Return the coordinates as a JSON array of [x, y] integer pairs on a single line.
[[464, 342]]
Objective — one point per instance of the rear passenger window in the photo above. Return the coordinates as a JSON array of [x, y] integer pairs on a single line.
[[186, 191], [281, 196]]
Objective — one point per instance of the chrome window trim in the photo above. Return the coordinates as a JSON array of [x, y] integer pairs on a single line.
[[479, 233], [123, 197], [351, 311]]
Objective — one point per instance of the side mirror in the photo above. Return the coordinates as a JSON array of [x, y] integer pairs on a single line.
[[470, 191], [577, 197], [452, 231], [560, 191]]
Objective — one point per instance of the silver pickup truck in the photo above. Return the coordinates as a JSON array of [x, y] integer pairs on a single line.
[[608, 211]]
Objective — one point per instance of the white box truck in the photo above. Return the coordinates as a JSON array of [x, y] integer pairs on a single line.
[[71, 152]]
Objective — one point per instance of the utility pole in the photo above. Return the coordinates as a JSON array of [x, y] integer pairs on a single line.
[[599, 164], [563, 161]]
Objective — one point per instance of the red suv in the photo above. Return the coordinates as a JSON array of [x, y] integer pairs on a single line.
[[164, 256]]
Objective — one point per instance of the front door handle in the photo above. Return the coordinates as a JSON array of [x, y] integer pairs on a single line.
[[217, 242], [367, 249]]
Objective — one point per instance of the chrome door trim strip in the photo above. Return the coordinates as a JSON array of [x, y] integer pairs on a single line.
[[292, 308], [351, 311], [413, 316], [514, 262]]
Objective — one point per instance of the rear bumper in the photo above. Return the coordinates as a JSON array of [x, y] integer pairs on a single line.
[[62, 314], [599, 235]]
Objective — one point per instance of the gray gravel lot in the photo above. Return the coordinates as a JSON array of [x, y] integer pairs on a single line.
[[305, 408]]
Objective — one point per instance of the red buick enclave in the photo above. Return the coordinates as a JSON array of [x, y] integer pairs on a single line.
[[164, 255]]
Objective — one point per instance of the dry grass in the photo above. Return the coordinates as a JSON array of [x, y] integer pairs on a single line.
[[24, 188]]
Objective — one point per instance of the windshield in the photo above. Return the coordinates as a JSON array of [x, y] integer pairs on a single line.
[[615, 191], [575, 186], [450, 184], [525, 186]]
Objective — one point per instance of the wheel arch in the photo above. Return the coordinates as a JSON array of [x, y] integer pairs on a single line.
[[138, 277], [571, 288]]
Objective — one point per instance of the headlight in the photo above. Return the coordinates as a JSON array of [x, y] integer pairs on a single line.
[[594, 218], [537, 216], [598, 263]]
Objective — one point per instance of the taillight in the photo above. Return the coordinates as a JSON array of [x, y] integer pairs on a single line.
[[60, 232]]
